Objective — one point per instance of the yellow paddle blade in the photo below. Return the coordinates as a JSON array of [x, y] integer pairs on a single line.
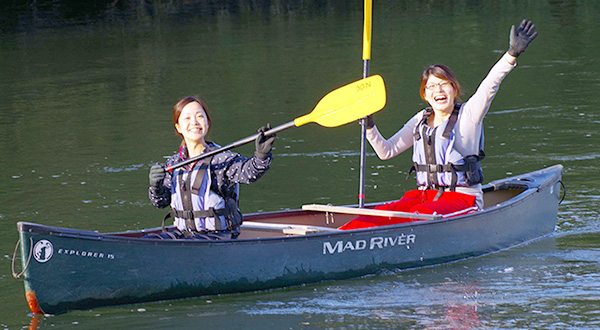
[[348, 103]]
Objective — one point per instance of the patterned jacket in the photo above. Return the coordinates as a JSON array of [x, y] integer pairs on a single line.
[[227, 170]]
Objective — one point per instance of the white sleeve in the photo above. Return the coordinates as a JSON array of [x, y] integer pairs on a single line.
[[478, 104], [400, 142]]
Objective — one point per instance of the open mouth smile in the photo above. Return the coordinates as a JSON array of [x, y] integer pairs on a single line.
[[440, 98]]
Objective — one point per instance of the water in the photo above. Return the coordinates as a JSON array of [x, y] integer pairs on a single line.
[[85, 99]]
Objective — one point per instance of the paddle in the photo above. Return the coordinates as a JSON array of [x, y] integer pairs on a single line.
[[341, 106]]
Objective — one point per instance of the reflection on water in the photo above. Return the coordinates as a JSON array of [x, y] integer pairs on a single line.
[[449, 305], [36, 322], [41, 14]]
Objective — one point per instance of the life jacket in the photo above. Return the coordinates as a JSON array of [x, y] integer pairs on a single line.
[[437, 163], [198, 209]]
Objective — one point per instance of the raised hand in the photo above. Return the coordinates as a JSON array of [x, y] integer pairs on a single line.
[[521, 37]]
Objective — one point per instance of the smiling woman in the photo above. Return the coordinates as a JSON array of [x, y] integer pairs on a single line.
[[204, 195], [192, 123], [440, 88], [447, 139]]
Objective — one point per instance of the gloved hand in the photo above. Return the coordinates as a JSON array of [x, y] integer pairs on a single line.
[[264, 143], [157, 175], [521, 37], [370, 122]]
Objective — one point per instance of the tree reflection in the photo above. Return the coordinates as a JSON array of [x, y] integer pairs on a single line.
[[40, 14]]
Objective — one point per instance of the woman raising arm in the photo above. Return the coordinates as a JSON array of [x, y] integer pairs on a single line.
[[447, 137]]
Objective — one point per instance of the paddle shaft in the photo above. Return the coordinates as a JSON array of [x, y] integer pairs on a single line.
[[232, 145], [367, 31]]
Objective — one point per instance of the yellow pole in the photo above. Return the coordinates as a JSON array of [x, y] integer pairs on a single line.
[[367, 30]]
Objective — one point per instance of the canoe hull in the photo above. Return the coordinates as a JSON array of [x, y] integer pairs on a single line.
[[74, 269]]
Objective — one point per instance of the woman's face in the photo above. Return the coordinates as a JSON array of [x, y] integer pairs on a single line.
[[192, 123], [440, 94]]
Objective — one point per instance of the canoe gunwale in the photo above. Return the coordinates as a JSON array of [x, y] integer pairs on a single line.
[[114, 237]]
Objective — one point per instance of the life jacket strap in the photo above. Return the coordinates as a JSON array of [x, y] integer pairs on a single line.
[[439, 193], [432, 170], [189, 216], [451, 122], [416, 133]]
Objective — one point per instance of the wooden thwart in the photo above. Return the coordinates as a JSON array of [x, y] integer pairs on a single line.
[[372, 212], [285, 228]]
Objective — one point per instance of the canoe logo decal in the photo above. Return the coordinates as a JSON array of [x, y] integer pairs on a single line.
[[43, 251], [378, 242]]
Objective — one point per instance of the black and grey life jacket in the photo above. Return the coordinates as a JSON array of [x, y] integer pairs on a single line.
[[197, 208], [437, 163]]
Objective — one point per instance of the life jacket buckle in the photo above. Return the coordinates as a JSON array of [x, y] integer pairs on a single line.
[[186, 214], [434, 168]]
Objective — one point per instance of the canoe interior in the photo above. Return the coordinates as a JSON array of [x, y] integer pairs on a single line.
[[493, 195]]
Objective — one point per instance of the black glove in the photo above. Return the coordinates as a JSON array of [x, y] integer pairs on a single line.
[[521, 37], [369, 122], [264, 143], [157, 175]]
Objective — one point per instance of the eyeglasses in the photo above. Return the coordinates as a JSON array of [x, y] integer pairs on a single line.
[[442, 84]]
